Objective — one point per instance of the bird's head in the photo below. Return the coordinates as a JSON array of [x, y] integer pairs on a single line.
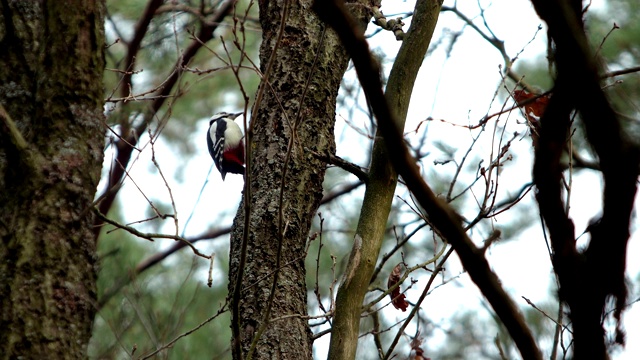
[[222, 115]]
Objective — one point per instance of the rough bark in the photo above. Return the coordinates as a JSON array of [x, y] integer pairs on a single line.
[[304, 42], [51, 150]]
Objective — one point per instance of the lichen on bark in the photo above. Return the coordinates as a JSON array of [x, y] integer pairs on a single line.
[[51, 76], [309, 60]]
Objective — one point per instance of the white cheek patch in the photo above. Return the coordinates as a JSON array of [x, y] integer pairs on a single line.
[[232, 135]]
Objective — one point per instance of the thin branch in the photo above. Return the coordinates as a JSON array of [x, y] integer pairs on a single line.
[[495, 42], [183, 8], [558, 330], [339, 192], [150, 236], [155, 259], [398, 246], [437, 256], [417, 306], [166, 184], [170, 344], [626, 71], [316, 288], [375, 316], [393, 25], [343, 164], [134, 45], [540, 311]]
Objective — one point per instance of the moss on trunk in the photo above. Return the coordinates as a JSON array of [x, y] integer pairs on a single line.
[[51, 88]]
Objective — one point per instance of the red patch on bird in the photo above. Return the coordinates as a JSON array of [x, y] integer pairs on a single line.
[[235, 155]]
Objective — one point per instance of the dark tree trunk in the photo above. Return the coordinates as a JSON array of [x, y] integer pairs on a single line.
[[283, 109], [51, 150], [588, 278]]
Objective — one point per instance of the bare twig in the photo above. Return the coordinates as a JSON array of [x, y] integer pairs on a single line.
[[495, 42], [417, 306], [393, 25], [154, 259], [150, 236], [626, 71], [222, 310], [343, 164], [135, 43]]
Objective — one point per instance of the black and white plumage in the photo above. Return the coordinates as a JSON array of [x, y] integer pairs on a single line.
[[226, 143]]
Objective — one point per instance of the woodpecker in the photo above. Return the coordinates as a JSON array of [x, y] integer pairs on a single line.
[[226, 144]]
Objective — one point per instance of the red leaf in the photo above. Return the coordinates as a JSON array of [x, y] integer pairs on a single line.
[[416, 344], [397, 299], [533, 109]]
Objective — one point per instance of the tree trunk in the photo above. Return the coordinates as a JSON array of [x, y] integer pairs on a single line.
[[51, 150], [304, 78]]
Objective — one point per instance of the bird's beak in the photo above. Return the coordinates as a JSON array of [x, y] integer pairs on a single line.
[[238, 114]]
